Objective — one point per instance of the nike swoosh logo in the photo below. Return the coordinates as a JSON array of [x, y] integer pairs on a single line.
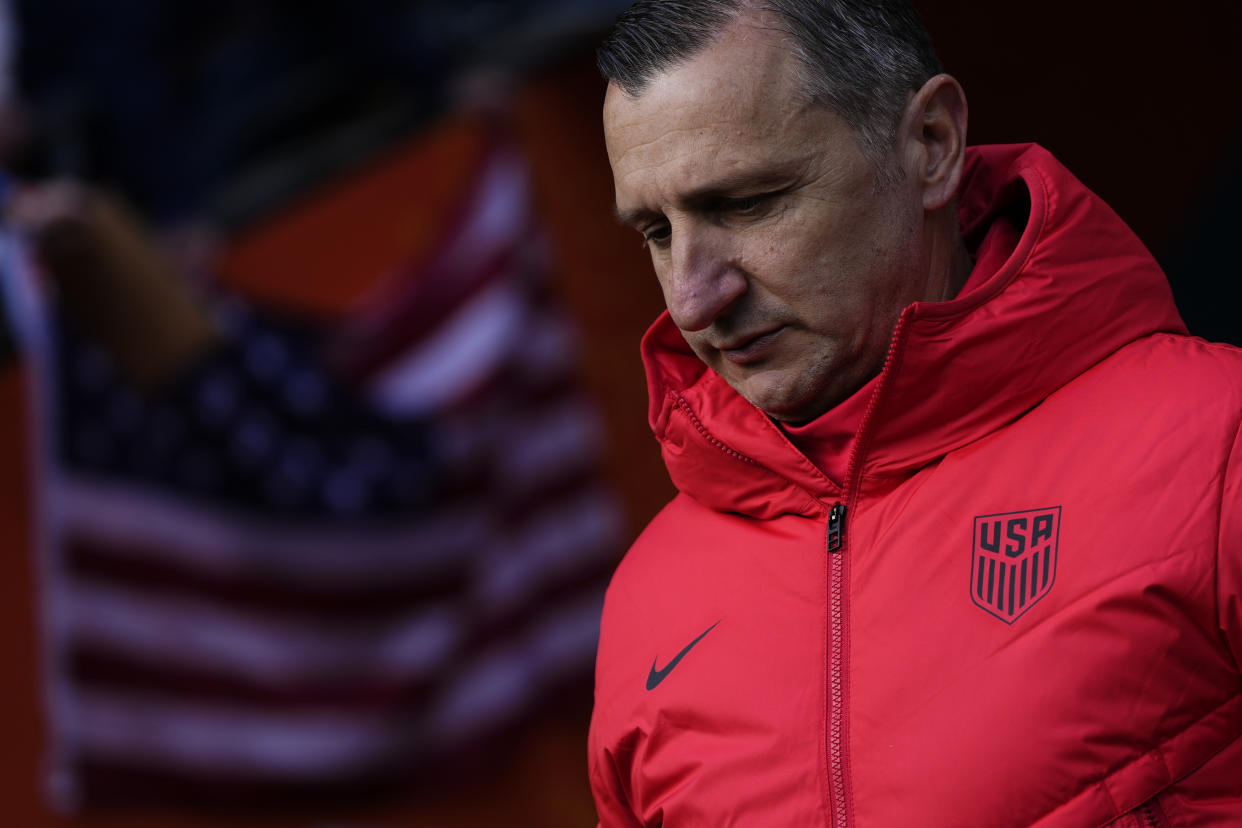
[[656, 676]]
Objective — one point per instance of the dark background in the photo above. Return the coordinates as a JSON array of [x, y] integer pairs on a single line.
[[1140, 100]]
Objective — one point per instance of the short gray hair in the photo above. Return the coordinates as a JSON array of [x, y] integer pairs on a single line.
[[861, 58]]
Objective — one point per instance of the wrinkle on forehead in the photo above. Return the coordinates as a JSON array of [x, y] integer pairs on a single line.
[[733, 112], [704, 113]]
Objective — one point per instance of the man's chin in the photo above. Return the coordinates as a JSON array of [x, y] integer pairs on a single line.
[[794, 418], [778, 401], [791, 400]]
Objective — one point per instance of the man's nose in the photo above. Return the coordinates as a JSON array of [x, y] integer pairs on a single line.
[[701, 281]]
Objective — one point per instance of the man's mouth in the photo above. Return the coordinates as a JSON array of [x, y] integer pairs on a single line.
[[752, 348]]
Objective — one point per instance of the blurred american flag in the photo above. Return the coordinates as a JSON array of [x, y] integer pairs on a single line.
[[327, 558]]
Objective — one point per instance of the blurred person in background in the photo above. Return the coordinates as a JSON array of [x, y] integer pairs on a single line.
[[295, 556], [959, 532]]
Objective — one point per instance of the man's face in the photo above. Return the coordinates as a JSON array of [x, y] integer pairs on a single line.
[[782, 262]]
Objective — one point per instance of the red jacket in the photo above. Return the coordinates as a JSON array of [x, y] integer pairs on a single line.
[[1025, 607]]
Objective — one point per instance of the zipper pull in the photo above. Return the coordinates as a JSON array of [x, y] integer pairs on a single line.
[[836, 528]]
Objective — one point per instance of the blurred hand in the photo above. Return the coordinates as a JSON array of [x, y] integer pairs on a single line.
[[109, 277]]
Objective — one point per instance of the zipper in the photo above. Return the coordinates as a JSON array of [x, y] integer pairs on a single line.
[[836, 633], [838, 754], [1151, 815], [836, 528], [707, 435], [838, 599], [836, 672]]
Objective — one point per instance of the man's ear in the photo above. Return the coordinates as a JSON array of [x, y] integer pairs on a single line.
[[933, 130]]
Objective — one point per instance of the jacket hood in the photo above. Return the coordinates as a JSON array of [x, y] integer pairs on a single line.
[[1078, 286]]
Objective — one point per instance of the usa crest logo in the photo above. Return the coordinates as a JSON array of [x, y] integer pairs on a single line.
[[1014, 560]]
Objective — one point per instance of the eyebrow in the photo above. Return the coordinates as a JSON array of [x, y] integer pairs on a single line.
[[726, 187], [630, 217]]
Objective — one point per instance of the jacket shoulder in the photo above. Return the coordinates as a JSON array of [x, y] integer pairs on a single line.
[[1171, 402], [1179, 371], [654, 558]]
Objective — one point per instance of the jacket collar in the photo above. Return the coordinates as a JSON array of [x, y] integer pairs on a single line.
[[1078, 286]]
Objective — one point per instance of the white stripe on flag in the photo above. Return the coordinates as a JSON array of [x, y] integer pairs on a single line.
[[280, 651], [166, 529], [539, 445], [235, 741], [495, 688], [564, 640], [462, 354], [499, 216], [501, 684], [570, 536]]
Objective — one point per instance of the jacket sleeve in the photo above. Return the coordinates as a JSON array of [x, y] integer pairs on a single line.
[[610, 801], [1229, 562]]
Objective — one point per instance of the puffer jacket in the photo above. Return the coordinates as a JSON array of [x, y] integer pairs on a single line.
[[1021, 608]]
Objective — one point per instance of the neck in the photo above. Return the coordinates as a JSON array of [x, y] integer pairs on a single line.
[[949, 262]]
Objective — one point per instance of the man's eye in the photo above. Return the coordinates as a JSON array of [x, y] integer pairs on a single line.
[[657, 234], [749, 206], [745, 206]]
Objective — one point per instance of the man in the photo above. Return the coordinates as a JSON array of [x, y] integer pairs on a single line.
[[958, 538]]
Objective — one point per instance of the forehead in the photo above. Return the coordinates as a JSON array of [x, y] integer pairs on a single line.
[[735, 109]]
